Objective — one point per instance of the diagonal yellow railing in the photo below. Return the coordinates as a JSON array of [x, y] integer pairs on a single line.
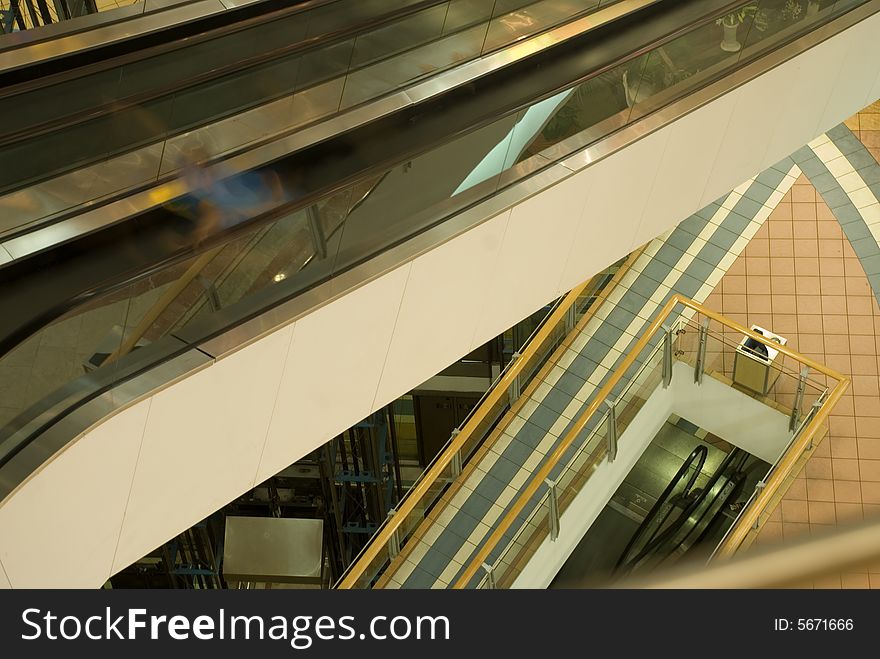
[[748, 519], [413, 508]]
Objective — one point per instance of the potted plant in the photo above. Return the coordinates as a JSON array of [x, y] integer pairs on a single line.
[[793, 11], [731, 22], [642, 80]]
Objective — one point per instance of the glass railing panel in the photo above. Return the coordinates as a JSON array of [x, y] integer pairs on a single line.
[[639, 390], [399, 36], [466, 13], [323, 80], [374, 568], [87, 342], [797, 385], [517, 20], [512, 557], [722, 354], [771, 20]]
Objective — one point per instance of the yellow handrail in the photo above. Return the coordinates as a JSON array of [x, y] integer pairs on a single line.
[[544, 472], [437, 467]]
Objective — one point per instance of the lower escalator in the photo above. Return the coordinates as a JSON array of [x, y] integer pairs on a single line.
[[685, 514]]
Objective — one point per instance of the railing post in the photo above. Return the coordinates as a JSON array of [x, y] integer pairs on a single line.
[[701, 352], [490, 576], [570, 318], [611, 430], [816, 405], [795, 418], [513, 391], [319, 240], [758, 487], [667, 355], [553, 513], [455, 463], [394, 540]]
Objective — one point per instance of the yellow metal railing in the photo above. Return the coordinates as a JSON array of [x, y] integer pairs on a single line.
[[748, 519], [412, 509]]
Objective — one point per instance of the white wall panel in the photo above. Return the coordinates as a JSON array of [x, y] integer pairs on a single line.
[[436, 316], [4, 582], [62, 527], [747, 133], [619, 187], [691, 151], [332, 370], [528, 268], [854, 80], [816, 69], [213, 435], [202, 445]]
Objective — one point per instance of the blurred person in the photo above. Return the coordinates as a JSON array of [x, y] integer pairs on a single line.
[[218, 198]]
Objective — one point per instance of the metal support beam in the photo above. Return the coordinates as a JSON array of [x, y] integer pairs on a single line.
[[667, 355], [701, 352], [553, 509], [611, 430], [795, 418]]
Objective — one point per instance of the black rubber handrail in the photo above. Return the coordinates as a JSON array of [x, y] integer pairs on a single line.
[[307, 44], [117, 53], [687, 474], [664, 541]]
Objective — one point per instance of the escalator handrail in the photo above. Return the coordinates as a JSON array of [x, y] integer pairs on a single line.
[[330, 146], [699, 455], [152, 95], [21, 71], [686, 515], [738, 478], [329, 157]]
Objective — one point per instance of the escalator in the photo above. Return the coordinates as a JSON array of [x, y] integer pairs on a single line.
[[125, 291], [127, 120], [685, 514]]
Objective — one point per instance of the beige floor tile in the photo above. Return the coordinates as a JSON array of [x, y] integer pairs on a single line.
[[795, 511], [820, 489], [847, 491], [853, 581]]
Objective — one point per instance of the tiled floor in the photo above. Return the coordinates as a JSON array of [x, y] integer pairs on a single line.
[[801, 277], [866, 126]]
